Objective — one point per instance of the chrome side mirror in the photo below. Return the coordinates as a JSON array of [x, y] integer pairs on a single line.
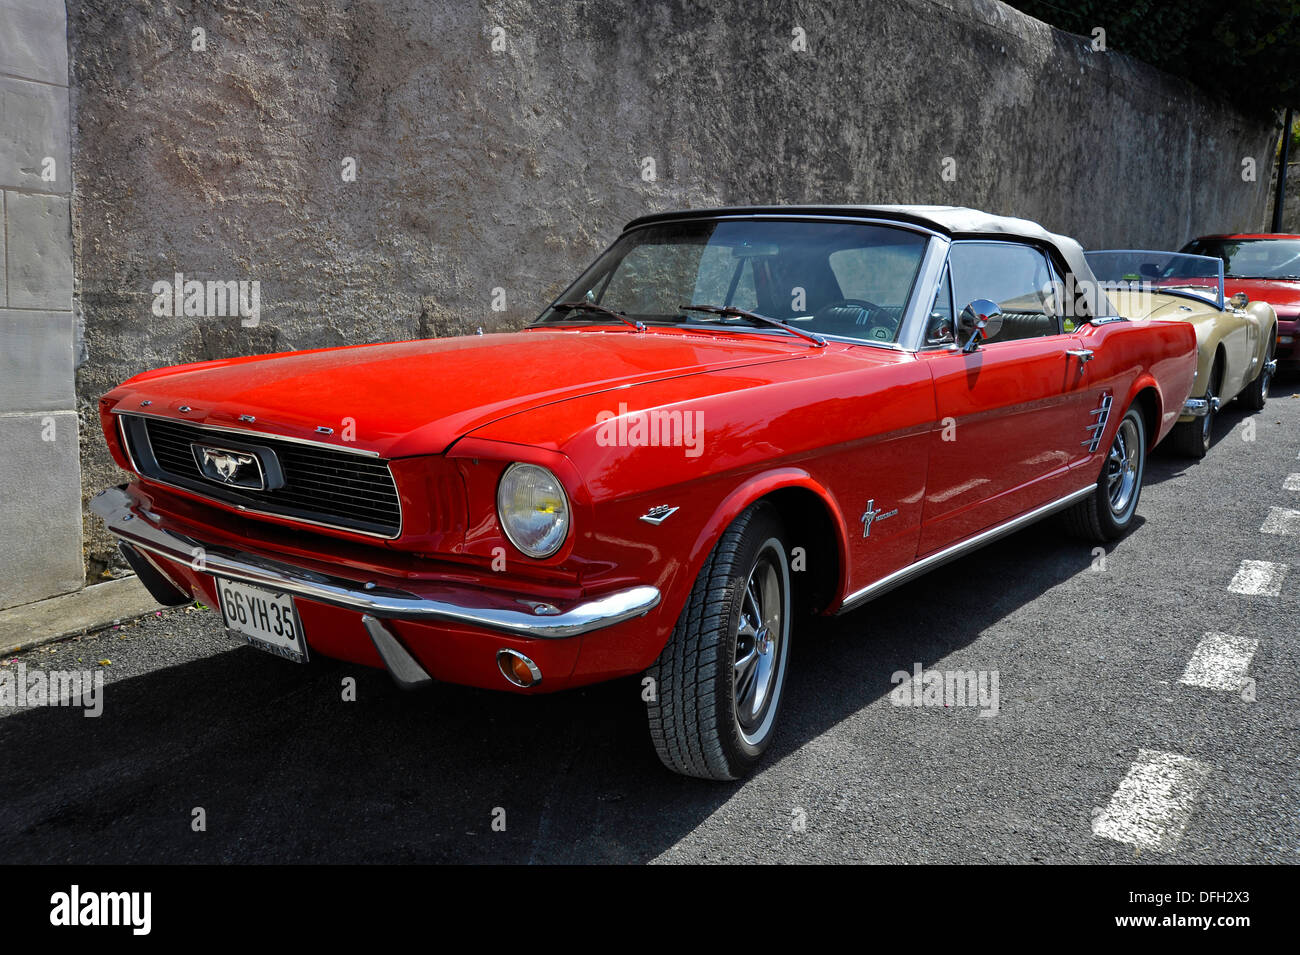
[[1239, 300], [979, 321]]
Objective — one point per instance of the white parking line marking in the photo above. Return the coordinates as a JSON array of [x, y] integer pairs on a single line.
[[1220, 662], [1281, 520], [1154, 801], [1258, 577], [1292, 482]]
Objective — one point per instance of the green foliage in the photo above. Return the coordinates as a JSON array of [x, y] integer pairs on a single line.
[[1245, 50]]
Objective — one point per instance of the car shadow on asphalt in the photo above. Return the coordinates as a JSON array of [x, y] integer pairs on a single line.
[[284, 770], [1165, 463]]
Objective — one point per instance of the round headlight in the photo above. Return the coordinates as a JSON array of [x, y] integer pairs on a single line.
[[533, 509]]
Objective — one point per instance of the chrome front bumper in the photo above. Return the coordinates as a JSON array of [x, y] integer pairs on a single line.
[[452, 603], [1199, 407]]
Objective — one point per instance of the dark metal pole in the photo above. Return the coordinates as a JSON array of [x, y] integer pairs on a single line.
[[1279, 198]]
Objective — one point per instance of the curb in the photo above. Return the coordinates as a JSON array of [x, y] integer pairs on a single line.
[[70, 615]]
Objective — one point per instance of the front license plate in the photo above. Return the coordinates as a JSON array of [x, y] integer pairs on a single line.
[[266, 619]]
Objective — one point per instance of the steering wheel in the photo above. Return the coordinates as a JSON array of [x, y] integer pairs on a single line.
[[879, 326]]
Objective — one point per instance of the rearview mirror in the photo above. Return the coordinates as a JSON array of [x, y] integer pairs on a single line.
[[755, 250], [1239, 300], [979, 321]]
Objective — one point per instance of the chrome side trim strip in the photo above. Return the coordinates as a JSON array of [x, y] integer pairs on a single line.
[[926, 564], [490, 609], [248, 432]]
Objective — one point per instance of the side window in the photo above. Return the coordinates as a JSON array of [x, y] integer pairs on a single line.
[[1017, 277]]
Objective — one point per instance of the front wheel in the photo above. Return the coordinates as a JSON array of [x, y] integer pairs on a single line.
[[1256, 395], [1108, 512], [1192, 438], [718, 683]]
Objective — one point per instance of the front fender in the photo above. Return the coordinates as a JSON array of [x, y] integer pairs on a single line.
[[1210, 337], [754, 489], [1266, 315]]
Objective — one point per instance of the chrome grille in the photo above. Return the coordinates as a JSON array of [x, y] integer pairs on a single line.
[[321, 485]]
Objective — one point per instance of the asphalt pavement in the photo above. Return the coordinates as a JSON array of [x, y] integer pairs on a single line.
[[1146, 712]]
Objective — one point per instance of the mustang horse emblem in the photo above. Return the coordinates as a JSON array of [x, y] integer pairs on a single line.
[[871, 515], [229, 467]]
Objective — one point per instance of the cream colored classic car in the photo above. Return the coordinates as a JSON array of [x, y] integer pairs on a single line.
[[1235, 338]]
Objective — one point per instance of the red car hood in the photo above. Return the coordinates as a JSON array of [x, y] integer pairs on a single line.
[[419, 397], [1280, 293]]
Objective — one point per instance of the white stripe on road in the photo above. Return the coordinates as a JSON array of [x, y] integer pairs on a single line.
[[1281, 520], [1292, 482], [1154, 801], [1262, 577], [1220, 662]]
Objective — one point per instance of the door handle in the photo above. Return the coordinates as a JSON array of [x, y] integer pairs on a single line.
[[1083, 354]]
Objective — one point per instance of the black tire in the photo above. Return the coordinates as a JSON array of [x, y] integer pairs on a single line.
[[1108, 512], [1256, 395], [698, 725], [1192, 439]]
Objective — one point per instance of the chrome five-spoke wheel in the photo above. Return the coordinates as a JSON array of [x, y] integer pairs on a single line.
[[760, 643], [1122, 466]]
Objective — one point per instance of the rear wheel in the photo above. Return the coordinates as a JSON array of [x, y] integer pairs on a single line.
[[1108, 512], [1192, 438], [718, 683], [1255, 396]]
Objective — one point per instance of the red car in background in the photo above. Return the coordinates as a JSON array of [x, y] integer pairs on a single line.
[[732, 419], [1265, 267]]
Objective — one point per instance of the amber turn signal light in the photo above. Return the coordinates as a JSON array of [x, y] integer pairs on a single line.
[[518, 669]]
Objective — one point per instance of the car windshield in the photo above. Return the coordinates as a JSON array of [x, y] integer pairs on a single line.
[[843, 279], [1143, 270], [1252, 258]]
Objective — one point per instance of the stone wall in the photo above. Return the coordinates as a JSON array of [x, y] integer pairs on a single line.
[[40, 496], [1291, 204], [499, 146]]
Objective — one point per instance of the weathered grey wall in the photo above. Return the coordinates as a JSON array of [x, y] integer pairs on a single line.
[[40, 518], [480, 169], [1291, 207]]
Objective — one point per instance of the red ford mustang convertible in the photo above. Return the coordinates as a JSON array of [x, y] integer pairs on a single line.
[[733, 418]]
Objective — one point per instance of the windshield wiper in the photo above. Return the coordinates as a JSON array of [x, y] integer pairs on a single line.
[[732, 312], [599, 309]]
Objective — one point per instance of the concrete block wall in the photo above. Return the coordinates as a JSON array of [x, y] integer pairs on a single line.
[[40, 473]]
